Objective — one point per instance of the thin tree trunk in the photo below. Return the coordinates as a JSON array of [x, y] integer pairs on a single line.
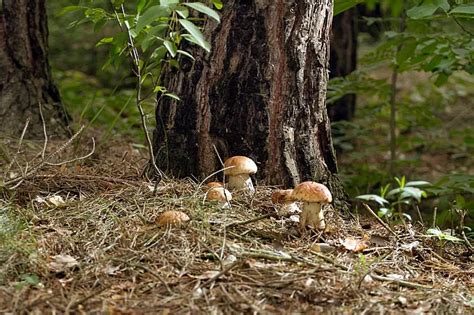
[[260, 93], [343, 61], [25, 76]]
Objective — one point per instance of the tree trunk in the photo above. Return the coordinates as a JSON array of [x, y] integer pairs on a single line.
[[343, 60], [25, 76], [260, 93]]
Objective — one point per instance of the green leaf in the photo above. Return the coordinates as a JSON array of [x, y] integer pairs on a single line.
[[401, 181], [381, 201], [422, 11], [150, 15], [217, 4], [95, 14], [467, 9], [169, 3], [460, 201], [159, 88], [196, 34], [174, 96], [394, 192], [185, 53], [434, 231], [70, 9], [451, 238], [183, 12], [105, 40], [31, 279], [406, 215], [433, 63], [442, 236], [443, 4], [384, 212], [171, 47], [154, 33], [344, 5], [198, 6], [159, 53], [412, 192], [98, 26], [140, 5], [418, 183], [406, 52]]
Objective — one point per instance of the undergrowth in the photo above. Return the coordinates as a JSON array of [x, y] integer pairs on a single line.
[[98, 249]]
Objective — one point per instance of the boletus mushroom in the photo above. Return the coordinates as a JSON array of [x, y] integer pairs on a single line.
[[214, 184], [219, 194], [313, 195], [238, 170], [283, 198], [172, 217]]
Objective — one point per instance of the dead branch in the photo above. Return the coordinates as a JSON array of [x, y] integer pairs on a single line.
[[15, 182], [380, 220]]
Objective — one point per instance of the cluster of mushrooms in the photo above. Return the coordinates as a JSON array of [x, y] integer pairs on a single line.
[[237, 170]]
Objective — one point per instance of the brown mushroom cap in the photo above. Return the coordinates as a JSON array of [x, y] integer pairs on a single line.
[[312, 192], [218, 194], [172, 218], [239, 165], [214, 184], [282, 196]]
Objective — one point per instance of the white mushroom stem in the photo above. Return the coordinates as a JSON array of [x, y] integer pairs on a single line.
[[241, 182], [291, 207], [312, 215], [225, 205]]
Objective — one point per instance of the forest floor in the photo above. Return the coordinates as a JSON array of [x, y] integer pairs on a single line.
[[98, 249]]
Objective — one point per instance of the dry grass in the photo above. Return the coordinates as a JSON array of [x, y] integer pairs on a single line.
[[218, 263]]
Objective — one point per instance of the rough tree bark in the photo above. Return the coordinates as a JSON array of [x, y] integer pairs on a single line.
[[343, 61], [25, 76], [260, 93]]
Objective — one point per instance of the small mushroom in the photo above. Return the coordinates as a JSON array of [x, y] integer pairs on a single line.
[[238, 170], [283, 197], [172, 218], [313, 196], [214, 184], [219, 194]]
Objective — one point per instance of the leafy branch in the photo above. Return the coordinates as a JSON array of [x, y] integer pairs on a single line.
[[151, 38]]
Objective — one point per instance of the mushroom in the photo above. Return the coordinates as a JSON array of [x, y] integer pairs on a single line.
[[239, 169], [219, 194], [313, 196], [283, 197], [214, 184], [172, 218]]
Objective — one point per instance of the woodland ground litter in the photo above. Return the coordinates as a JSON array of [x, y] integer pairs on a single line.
[[101, 251]]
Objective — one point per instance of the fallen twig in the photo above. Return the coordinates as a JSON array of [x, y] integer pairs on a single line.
[[221, 273], [380, 220], [20, 142], [15, 182]]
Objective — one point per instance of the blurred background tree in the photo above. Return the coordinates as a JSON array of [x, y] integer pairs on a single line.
[[27, 92]]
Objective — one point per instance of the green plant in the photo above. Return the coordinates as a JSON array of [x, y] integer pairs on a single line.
[[429, 36], [442, 236], [151, 35], [393, 201], [454, 191]]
